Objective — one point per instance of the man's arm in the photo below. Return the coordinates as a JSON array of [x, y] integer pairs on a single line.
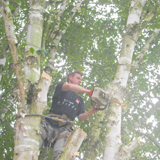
[[74, 88], [86, 115], [77, 88]]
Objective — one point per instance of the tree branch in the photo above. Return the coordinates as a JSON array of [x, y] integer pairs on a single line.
[[57, 15], [73, 144], [125, 151], [12, 40], [58, 37], [149, 16], [143, 52], [151, 138]]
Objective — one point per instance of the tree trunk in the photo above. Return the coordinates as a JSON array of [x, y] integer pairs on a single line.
[[93, 142], [27, 128], [113, 137], [34, 40], [27, 138]]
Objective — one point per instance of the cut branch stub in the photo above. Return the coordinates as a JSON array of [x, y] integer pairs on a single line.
[[73, 144]]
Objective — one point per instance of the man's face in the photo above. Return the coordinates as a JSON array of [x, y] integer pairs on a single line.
[[76, 79]]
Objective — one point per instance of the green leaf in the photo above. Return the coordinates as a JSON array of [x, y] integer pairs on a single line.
[[39, 52], [46, 52], [32, 50]]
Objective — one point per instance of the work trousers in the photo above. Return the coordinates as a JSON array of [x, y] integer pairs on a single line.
[[55, 137]]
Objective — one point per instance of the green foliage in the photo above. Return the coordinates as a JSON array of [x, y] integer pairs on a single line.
[[7, 111], [41, 51], [7, 135], [91, 44]]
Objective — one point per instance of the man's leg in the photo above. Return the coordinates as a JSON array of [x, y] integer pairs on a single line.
[[43, 135], [60, 143]]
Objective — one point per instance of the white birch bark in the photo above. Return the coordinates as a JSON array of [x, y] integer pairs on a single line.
[[73, 145], [27, 136], [125, 151], [113, 137], [27, 129], [34, 40], [39, 105], [2, 64]]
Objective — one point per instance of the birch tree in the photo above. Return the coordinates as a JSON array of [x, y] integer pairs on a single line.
[[136, 22], [113, 43], [29, 77]]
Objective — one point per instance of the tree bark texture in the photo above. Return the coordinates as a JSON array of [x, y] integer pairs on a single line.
[[93, 142], [27, 138], [34, 40], [73, 145], [113, 136], [27, 128]]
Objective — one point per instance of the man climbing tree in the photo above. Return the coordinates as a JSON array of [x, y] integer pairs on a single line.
[[66, 105], [115, 44]]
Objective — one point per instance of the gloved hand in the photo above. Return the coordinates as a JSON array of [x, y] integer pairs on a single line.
[[90, 93], [94, 108]]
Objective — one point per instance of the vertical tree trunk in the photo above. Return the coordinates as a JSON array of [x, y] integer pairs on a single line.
[[113, 137], [27, 128], [34, 40]]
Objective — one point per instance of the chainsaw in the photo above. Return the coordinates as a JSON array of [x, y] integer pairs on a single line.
[[100, 97]]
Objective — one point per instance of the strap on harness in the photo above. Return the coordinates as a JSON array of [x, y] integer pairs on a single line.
[[50, 116]]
